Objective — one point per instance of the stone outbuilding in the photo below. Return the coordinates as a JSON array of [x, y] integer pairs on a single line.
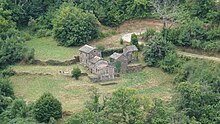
[[131, 52], [104, 70], [121, 58], [93, 62], [87, 53]]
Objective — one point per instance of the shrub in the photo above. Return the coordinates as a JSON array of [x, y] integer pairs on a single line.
[[44, 33], [169, 63], [134, 40], [6, 88], [73, 27], [46, 107], [148, 34], [76, 73], [121, 41], [100, 47], [156, 50]]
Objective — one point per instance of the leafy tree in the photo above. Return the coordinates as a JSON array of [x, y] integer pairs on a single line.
[[156, 50], [148, 34], [6, 88], [76, 73], [198, 101], [46, 107], [169, 63], [113, 13], [126, 107], [199, 8], [11, 52], [73, 27], [5, 17], [134, 40]]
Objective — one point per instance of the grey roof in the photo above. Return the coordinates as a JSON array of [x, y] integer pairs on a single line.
[[86, 49], [115, 55], [131, 48], [96, 59]]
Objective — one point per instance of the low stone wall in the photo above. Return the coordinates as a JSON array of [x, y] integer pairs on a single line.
[[135, 68], [56, 62], [28, 73]]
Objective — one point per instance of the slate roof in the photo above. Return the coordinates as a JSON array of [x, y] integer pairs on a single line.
[[115, 55], [95, 59], [86, 49], [131, 48], [102, 64]]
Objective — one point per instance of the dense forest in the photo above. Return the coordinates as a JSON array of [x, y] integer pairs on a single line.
[[193, 24]]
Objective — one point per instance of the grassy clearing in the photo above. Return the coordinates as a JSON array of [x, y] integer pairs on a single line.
[[150, 82], [46, 48]]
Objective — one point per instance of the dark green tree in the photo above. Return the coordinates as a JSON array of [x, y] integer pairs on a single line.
[[46, 107], [134, 40], [76, 73], [156, 50], [73, 27]]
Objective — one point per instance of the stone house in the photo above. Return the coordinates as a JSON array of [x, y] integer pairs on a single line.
[[119, 57], [131, 52], [93, 62], [104, 70], [87, 53]]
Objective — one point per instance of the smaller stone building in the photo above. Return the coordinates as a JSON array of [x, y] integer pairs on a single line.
[[131, 52], [87, 53], [104, 70], [119, 57]]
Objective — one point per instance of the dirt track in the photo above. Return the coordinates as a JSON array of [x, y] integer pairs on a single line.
[[138, 26]]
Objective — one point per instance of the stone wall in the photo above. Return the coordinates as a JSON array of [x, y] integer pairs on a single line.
[[135, 68], [56, 62]]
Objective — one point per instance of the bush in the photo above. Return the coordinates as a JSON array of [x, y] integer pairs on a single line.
[[73, 27], [46, 107], [6, 88], [43, 33], [169, 63], [76, 73], [100, 47], [134, 40], [156, 50], [148, 34]]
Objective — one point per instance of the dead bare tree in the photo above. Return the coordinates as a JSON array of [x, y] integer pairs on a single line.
[[167, 10]]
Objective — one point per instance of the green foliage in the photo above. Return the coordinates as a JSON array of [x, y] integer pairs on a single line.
[[148, 34], [124, 106], [200, 8], [199, 102], [100, 47], [6, 88], [118, 66], [206, 73], [113, 13], [6, 94], [121, 41], [195, 33], [46, 107], [76, 73], [73, 27], [156, 50], [169, 63], [11, 52], [134, 40]]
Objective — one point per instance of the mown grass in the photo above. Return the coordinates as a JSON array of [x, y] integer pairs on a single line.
[[46, 48], [150, 82]]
